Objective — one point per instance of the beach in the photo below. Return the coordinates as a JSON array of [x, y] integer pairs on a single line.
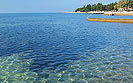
[[110, 13], [119, 13]]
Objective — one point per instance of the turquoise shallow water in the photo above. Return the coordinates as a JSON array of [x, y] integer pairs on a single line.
[[64, 48]]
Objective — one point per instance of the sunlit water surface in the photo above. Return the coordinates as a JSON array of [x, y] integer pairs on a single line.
[[64, 48]]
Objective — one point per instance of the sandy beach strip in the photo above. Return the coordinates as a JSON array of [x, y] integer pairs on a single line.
[[75, 12], [111, 20], [123, 14], [110, 13], [91, 12], [118, 13]]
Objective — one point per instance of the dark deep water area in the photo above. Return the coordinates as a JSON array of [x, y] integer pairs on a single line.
[[64, 48]]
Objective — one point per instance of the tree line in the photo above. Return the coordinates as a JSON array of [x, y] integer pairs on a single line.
[[96, 7], [108, 7]]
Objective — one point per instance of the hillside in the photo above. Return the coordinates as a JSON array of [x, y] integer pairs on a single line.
[[124, 5]]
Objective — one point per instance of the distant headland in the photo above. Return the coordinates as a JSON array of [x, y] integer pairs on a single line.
[[122, 8], [122, 5]]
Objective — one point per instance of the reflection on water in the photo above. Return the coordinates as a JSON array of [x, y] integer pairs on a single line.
[[64, 48]]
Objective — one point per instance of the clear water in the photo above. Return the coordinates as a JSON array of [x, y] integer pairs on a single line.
[[64, 48]]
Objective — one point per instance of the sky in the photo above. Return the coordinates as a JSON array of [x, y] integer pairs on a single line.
[[40, 6]]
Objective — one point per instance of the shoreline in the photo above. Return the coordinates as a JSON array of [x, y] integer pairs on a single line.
[[105, 13]]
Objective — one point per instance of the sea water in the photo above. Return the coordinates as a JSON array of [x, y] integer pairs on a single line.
[[64, 48]]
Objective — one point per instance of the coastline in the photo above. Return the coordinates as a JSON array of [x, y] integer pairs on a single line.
[[118, 13], [75, 12], [105, 13]]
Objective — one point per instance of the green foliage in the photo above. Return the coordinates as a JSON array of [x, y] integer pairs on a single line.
[[131, 3], [124, 4], [96, 7], [109, 7]]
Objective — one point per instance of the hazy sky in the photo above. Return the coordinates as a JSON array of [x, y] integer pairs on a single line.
[[22, 6]]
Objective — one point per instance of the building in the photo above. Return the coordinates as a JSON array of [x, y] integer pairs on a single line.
[[124, 9]]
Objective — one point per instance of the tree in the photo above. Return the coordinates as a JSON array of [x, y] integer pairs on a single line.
[[99, 6], [88, 8], [93, 8], [108, 7]]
